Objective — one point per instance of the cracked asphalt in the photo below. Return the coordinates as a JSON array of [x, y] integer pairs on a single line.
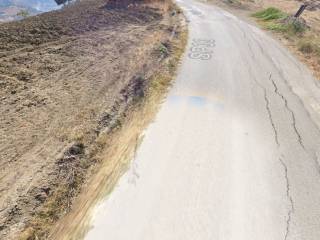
[[234, 151]]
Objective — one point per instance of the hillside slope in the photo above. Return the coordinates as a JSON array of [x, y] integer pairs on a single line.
[[65, 77]]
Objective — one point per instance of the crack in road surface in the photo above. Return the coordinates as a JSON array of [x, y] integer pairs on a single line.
[[280, 72], [267, 106], [291, 208], [236, 194], [270, 116], [293, 123]]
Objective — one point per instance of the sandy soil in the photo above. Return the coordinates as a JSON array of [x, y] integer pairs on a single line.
[[65, 77]]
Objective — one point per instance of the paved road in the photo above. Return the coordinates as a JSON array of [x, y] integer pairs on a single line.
[[233, 152]]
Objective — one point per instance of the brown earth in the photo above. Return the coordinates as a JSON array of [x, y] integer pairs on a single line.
[[66, 78]]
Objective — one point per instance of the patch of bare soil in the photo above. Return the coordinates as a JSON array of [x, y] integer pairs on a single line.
[[67, 79]]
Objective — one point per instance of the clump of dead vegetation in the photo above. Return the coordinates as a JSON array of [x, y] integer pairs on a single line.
[[310, 46]]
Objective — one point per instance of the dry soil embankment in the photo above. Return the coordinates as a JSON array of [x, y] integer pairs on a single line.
[[66, 77]]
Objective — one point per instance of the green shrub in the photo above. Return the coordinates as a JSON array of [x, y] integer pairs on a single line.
[[296, 27], [23, 14], [270, 13], [163, 49]]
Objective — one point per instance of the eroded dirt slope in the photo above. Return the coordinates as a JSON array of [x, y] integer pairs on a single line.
[[64, 78]]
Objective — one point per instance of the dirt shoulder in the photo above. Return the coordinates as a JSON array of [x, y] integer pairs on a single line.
[[68, 81], [303, 41]]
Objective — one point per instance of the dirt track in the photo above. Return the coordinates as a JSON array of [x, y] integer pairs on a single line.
[[65, 77]]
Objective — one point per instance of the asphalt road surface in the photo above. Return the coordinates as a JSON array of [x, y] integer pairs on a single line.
[[233, 152]]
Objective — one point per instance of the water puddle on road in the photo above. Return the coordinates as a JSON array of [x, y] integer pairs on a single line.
[[196, 101]]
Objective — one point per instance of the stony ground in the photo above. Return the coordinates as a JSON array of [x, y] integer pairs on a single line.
[[64, 77]]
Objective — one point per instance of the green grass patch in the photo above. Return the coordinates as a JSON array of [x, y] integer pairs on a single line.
[[289, 28], [276, 20], [270, 13], [278, 27]]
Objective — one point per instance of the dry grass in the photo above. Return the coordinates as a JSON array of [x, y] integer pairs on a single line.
[[112, 149], [121, 146], [310, 46]]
